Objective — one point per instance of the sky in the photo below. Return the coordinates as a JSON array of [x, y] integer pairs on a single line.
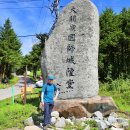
[[30, 17]]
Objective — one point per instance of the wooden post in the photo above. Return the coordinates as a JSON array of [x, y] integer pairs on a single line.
[[25, 85]]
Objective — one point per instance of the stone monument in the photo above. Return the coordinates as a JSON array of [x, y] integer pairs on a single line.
[[71, 53]]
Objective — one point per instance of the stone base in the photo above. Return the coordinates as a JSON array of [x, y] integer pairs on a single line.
[[85, 107]]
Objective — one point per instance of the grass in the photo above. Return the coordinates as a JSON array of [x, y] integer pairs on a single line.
[[92, 124], [119, 90], [12, 81], [12, 116], [78, 126]]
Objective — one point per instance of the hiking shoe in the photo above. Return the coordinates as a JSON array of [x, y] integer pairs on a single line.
[[42, 125], [48, 126], [44, 128]]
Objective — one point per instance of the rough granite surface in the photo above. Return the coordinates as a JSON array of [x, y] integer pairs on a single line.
[[71, 52]]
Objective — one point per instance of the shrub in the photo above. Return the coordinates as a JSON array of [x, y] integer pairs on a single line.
[[91, 123]]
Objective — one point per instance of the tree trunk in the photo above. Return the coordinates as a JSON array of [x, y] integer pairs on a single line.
[[35, 73]]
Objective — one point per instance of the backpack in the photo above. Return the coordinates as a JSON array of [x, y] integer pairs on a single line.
[[46, 88]]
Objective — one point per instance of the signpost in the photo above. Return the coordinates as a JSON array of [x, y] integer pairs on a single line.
[[25, 82], [13, 95]]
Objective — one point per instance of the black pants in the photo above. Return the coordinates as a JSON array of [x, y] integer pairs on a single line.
[[47, 113]]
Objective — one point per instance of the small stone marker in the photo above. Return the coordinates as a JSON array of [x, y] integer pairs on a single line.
[[71, 52]]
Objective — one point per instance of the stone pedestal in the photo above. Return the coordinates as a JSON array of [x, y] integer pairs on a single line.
[[85, 107]]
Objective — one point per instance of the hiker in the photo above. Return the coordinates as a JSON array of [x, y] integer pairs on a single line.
[[47, 100]]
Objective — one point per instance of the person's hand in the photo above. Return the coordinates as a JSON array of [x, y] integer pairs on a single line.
[[55, 98], [42, 104]]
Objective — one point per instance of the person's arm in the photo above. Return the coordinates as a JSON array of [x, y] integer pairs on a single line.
[[42, 98], [57, 93], [42, 95]]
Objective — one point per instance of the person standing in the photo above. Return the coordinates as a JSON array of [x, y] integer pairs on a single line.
[[47, 100]]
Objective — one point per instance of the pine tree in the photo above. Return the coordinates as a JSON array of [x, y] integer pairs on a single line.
[[110, 34], [124, 45], [10, 50]]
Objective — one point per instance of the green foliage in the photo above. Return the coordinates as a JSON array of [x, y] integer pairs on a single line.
[[94, 128], [38, 74], [33, 59], [114, 46], [68, 127], [12, 81], [91, 123], [119, 89], [14, 115], [10, 50], [78, 126]]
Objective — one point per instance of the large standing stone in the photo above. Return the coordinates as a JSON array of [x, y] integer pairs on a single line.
[[71, 53]]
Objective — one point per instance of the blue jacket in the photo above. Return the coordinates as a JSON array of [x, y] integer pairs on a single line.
[[49, 91]]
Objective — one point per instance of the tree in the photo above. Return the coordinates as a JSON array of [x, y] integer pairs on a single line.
[[35, 58], [42, 38], [124, 44], [10, 50], [114, 44]]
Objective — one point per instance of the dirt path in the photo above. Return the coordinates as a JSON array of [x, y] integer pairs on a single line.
[[7, 93]]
